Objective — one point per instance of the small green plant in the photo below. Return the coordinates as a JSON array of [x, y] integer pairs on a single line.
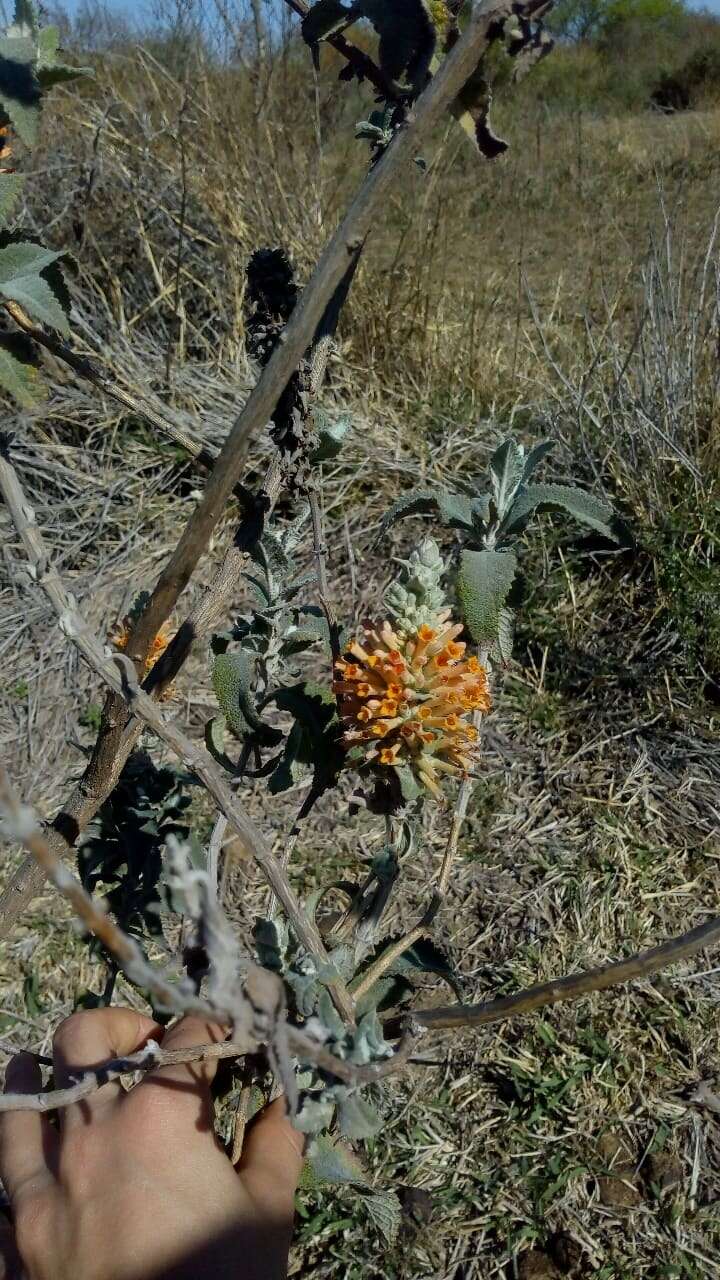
[[385, 717]]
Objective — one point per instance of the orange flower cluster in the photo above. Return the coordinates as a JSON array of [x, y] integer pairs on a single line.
[[408, 697], [157, 649]]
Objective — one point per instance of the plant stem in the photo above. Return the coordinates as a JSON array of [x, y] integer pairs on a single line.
[[572, 987]]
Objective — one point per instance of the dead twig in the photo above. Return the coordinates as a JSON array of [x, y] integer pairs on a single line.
[[572, 987]]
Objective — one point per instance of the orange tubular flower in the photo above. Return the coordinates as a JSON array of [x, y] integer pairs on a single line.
[[409, 696], [156, 651]]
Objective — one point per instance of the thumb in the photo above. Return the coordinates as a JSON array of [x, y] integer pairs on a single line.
[[271, 1161]]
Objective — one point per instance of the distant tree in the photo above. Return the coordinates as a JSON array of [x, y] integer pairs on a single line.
[[605, 19]]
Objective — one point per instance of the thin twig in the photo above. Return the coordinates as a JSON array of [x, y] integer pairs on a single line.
[[152, 1058], [22, 825], [396, 949]]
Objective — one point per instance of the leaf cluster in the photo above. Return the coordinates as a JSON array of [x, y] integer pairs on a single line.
[[30, 274], [489, 525]]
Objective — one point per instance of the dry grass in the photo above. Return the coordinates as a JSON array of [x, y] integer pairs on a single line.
[[498, 295]]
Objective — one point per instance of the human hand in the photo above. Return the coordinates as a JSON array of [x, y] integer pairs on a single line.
[[134, 1185]]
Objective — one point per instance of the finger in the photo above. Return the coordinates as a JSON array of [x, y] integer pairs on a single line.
[[271, 1161], [89, 1039], [27, 1139], [186, 1084]]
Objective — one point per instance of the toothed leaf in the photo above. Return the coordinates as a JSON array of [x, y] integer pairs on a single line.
[[483, 583], [584, 507], [11, 185], [19, 375], [22, 279], [385, 1211]]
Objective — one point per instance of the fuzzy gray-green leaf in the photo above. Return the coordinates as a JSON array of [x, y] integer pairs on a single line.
[[19, 88], [232, 680], [456, 509], [416, 503], [357, 1118], [11, 185], [506, 472], [535, 457], [483, 583], [21, 264], [331, 435], [329, 1161], [585, 507], [314, 1115], [19, 377], [385, 1211]]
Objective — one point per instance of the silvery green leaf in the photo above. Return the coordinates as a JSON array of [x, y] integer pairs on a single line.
[[19, 375], [233, 675], [417, 503], [21, 264], [313, 1115], [535, 457], [311, 627], [410, 788], [331, 436], [505, 637], [369, 1044], [456, 509], [425, 957], [585, 507], [270, 555], [506, 472], [11, 185], [329, 1161], [329, 1016], [341, 959], [481, 511], [357, 1118], [385, 1211], [20, 92], [483, 583], [306, 990]]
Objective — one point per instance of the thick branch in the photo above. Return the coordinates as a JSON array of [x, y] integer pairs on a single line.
[[572, 987], [347, 242]]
